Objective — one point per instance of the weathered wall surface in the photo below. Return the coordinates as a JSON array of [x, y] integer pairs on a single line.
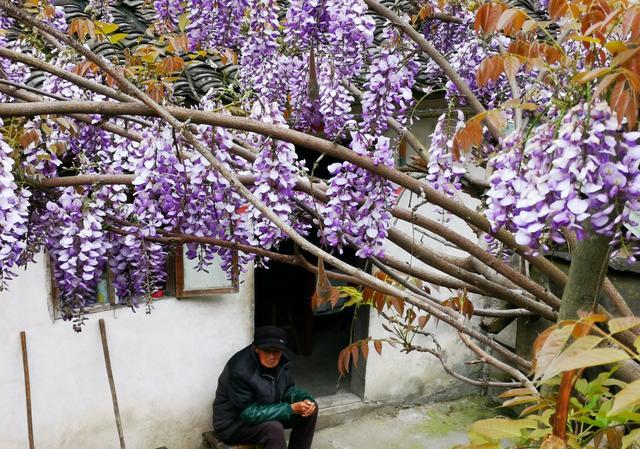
[[165, 367], [399, 376]]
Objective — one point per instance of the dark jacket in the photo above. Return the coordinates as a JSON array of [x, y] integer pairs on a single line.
[[248, 393]]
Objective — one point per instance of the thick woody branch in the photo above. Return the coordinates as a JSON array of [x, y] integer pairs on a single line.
[[298, 138], [30, 98], [510, 313], [78, 80], [66, 181], [444, 18], [617, 300], [479, 253], [183, 129], [447, 369], [407, 243], [488, 358]]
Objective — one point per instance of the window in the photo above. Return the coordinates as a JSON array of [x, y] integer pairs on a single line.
[[183, 281], [191, 282]]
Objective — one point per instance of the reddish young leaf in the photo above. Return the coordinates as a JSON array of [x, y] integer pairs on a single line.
[[519, 47], [340, 363], [423, 320], [481, 17], [315, 301], [632, 73], [558, 8], [623, 103], [397, 304], [614, 437], [29, 137], [624, 56], [343, 361], [489, 70], [631, 23], [323, 285], [467, 308], [364, 347], [487, 17], [511, 66], [367, 295], [170, 65], [515, 22], [379, 301], [354, 354], [377, 344], [539, 343]]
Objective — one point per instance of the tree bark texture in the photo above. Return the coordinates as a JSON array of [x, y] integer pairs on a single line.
[[589, 262]]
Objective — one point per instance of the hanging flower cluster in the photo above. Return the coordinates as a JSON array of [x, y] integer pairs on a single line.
[[359, 201], [14, 204], [388, 89], [582, 175], [78, 250], [445, 173]]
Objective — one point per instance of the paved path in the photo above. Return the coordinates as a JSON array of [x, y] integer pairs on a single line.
[[438, 426]]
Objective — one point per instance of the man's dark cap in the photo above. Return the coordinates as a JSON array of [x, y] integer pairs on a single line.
[[266, 337]]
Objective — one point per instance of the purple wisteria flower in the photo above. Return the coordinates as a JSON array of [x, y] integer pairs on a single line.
[[388, 89], [444, 173], [14, 205], [359, 201], [582, 174]]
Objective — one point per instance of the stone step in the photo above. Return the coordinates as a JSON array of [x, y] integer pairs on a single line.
[[211, 441], [341, 408]]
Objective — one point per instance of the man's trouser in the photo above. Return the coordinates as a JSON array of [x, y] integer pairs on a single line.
[[270, 435]]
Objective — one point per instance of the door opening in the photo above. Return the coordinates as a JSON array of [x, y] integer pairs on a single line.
[[283, 298]]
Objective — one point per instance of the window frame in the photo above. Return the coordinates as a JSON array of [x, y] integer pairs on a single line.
[[178, 278]]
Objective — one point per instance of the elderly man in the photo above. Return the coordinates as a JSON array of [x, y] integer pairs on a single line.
[[256, 398]]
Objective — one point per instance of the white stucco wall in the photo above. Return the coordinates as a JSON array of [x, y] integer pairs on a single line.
[[399, 376], [165, 367]]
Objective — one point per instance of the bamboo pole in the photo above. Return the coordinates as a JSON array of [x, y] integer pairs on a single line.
[[27, 386], [112, 385]]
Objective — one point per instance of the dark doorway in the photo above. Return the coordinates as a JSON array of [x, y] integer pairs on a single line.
[[283, 298]]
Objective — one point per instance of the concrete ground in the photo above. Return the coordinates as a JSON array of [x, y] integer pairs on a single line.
[[437, 426]]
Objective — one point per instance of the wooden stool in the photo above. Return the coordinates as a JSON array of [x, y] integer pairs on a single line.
[[211, 441]]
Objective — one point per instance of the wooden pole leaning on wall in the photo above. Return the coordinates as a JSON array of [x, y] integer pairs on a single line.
[[112, 385], [27, 386]]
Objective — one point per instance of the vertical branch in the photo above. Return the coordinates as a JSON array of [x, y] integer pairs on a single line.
[[589, 262]]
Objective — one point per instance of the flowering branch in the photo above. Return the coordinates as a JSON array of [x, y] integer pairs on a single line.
[[183, 129]]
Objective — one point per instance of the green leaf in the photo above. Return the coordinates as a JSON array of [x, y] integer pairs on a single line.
[[496, 429], [580, 346], [107, 28], [551, 348], [622, 324], [115, 38], [627, 398], [585, 359], [183, 21], [520, 400], [633, 437]]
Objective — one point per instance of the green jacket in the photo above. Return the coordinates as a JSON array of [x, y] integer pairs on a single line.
[[279, 411]]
